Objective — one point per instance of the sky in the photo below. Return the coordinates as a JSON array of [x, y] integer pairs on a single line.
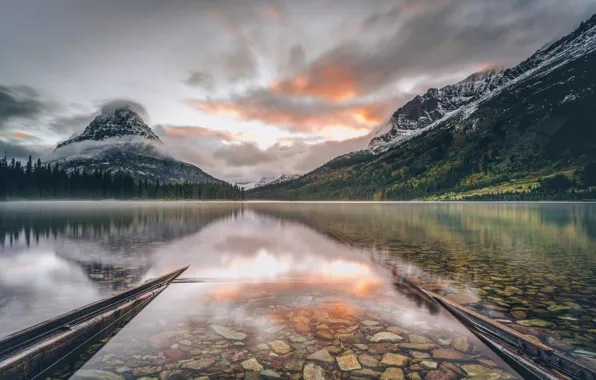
[[251, 88]]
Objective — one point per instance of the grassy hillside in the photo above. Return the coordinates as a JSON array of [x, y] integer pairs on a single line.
[[535, 140]]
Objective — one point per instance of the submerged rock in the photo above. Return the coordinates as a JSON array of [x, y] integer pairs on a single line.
[[227, 333], [482, 372], [325, 334], [429, 365], [252, 365], [558, 308], [348, 362], [270, 374], [461, 344], [418, 346], [397, 360], [369, 323], [365, 373], [145, 371], [313, 372], [321, 356], [393, 374], [280, 347], [534, 323], [386, 337], [95, 374], [293, 364], [445, 374], [413, 338], [463, 298], [368, 361], [447, 354], [198, 365]]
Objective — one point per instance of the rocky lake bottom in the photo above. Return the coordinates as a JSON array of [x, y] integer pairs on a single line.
[[352, 330]]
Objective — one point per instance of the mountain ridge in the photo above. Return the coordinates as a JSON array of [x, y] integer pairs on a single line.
[[441, 100], [512, 131]]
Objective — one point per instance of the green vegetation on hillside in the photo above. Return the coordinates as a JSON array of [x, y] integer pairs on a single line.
[[535, 140]]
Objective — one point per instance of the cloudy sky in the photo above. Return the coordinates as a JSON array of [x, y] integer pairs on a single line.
[[251, 88]]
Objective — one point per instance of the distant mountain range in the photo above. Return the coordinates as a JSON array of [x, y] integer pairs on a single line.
[[120, 141], [267, 181], [528, 131]]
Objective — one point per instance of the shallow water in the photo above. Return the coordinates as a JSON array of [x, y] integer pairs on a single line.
[[531, 266]]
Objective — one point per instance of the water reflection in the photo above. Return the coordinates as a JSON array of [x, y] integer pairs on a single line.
[[257, 246], [293, 303], [57, 256], [531, 266]]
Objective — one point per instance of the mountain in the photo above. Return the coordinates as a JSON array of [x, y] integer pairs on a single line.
[[123, 123], [267, 181], [120, 141], [424, 110], [528, 131]]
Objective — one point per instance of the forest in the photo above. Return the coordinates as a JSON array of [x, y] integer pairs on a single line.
[[34, 180]]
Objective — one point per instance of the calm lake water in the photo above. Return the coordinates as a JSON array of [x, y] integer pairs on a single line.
[[308, 281]]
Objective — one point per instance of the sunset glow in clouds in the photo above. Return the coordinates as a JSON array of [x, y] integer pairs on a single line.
[[245, 89]]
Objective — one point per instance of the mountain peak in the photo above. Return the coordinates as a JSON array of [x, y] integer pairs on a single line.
[[486, 73], [121, 122], [423, 112]]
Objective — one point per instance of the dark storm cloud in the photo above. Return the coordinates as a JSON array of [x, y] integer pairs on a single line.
[[21, 152], [435, 37], [199, 80], [73, 124], [68, 126], [20, 102], [110, 106]]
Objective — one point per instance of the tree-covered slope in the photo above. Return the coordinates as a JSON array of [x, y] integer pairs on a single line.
[[534, 138]]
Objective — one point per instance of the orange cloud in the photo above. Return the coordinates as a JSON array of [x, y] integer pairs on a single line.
[[177, 131], [23, 135], [330, 81], [272, 13], [330, 120], [19, 135]]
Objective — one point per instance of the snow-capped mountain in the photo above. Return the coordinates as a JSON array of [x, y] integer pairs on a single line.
[[267, 181], [460, 99], [123, 123], [513, 133], [423, 110], [120, 140]]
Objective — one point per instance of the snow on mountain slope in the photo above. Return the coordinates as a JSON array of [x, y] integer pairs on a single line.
[[461, 99], [123, 123], [423, 110], [120, 141], [267, 181]]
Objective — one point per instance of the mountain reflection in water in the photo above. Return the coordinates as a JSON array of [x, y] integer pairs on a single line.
[[294, 302], [530, 266]]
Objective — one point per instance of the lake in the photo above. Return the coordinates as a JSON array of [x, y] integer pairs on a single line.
[[294, 267]]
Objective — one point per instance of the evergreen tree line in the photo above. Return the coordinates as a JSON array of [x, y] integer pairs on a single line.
[[34, 180]]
